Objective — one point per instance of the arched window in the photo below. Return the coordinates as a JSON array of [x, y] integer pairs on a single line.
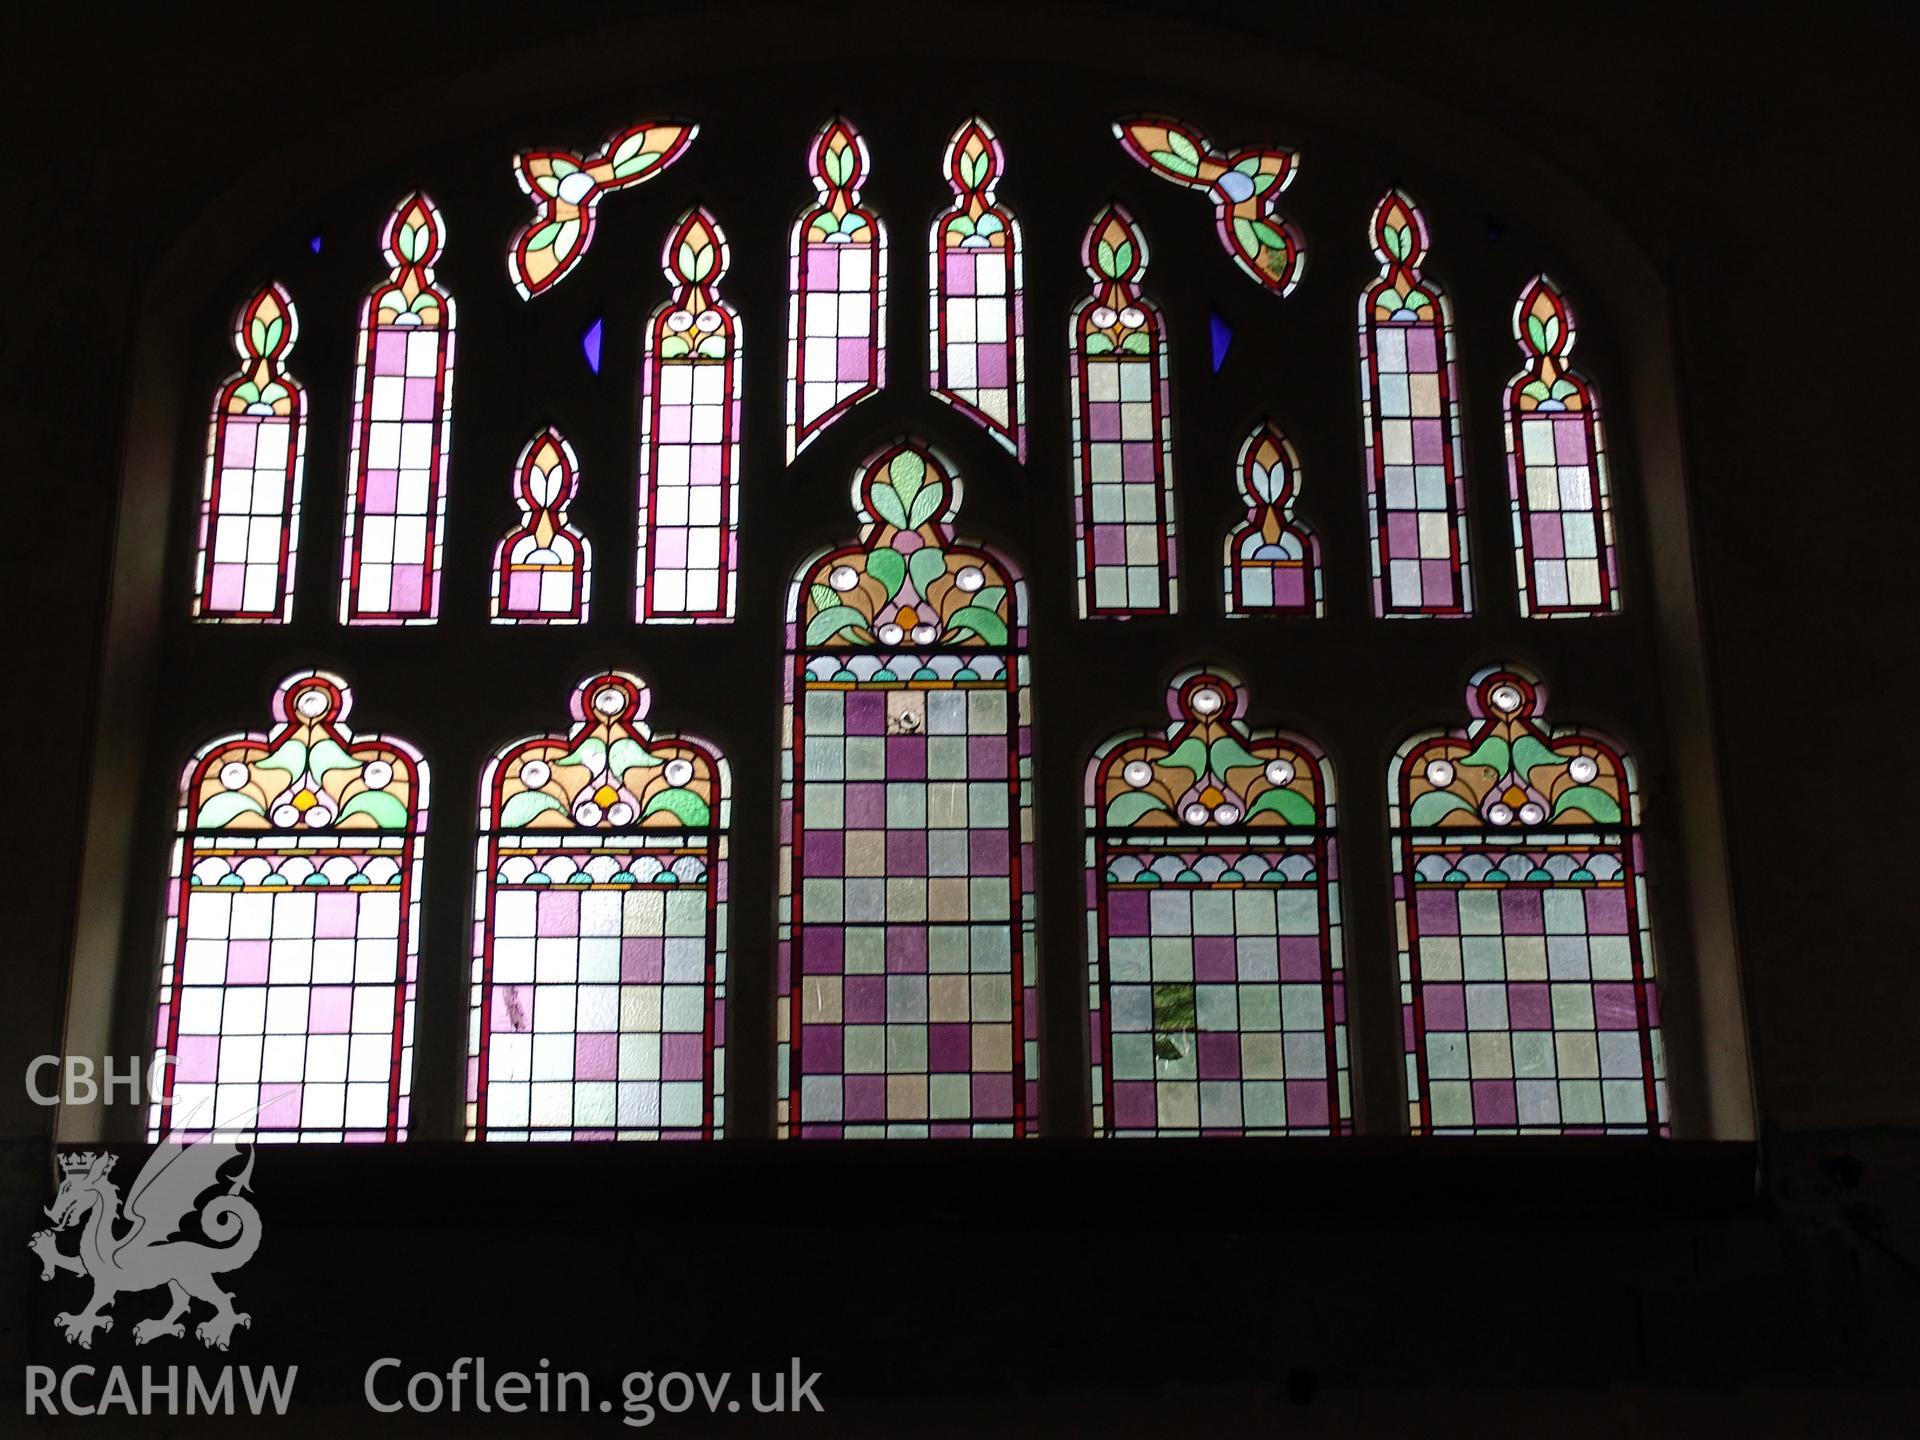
[[287, 985], [1217, 984], [543, 568], [1526, 966], [976, 288], [837, 325], [402, 418], [600, 937], [690, 435], [911, 894], [1557, 468], [256, 447], [907, 1003], [1122, 431], [1272, 560], [1410, 401]]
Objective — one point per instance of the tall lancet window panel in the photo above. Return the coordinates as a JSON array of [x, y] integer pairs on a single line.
[[906, 961], [975, 282], [287, 975], [600, 943], [543, 567], [402, 411], [1410, 407], [256, 448], [1272, 562], [1216, 984], [1557, 469], [837, 291], [689, 508], [1122, 431], [1526, 961]]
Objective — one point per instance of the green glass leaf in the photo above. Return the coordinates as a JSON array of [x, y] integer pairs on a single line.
[[590, 752], [1244, 235], [1122, 258], [823, 596], [926, 565], [1264, 183], [714, 347], [889, 567], [290, 757], [1435, 805], [984, 623], [691, 810], [1227, 753], [327, 755], [1183, 147], [687, 261], [634, 166], [543, 238], [381, 806], [926, 505], [1130, 805], [1289, 805], [1190, 755], [520, 809], [271, 342], [674, 347], [989, 225], [1529, 754], [886, 504], [1491, 752], [828, 623], [1537, 333], [221, 809], [1103, 260], [1596, 802], [560, 166], [1137, 343], [628, 754], [1269, 236], [1175, 162], [960, 225], [1098, 344]]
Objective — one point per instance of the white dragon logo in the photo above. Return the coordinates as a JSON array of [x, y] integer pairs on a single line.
[[142, 1249]]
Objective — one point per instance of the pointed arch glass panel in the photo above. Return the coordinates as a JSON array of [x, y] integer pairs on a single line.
[[543, 567], [907, 1005], [977, 343]]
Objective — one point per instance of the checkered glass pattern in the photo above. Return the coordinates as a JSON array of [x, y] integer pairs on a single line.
[[599, 1004], [911, 1013], [1524, 1012], [393, 522], [290, 999], [1413, 464], [838, 308], [1224, 1011], [687, 526], [1567, 550], [1127, 559], [979, 361], [255, 514]]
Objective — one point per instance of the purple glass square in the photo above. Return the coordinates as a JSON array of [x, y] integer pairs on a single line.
[[864, 1097], [558, 913], [1436, 912], [1493, 1103], [949, 1049], [1307, 1105], [992, 1097], [1607, 912]]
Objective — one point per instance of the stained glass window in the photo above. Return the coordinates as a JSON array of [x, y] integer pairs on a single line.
[[256, 446], [1526, 967], [1557, 468], [1410, 407], [600, 944], [543, 567], [690, 435], [1272, 559], [287, 974], [402, 411], [978, 342], [1216, 986], [836, 320], [1245, 187], [566, 190], [906, 960], [1122, 431]]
